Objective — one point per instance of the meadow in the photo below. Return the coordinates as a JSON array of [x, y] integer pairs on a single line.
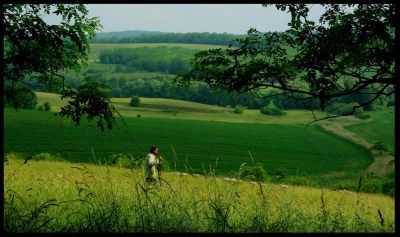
[[97, 48], [196, 144], [379, 128], [58, 196]]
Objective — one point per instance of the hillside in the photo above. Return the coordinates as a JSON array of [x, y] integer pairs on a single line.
[[186, 128], [179, 109], [48, 196]]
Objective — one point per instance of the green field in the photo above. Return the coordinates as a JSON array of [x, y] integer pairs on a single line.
[[178, 109], [97, 48], [380, 128], [224, 146]]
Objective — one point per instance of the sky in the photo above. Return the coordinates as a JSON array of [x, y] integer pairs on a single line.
[[220, 18]]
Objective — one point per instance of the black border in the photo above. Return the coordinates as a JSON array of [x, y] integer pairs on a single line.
[[397, 103]]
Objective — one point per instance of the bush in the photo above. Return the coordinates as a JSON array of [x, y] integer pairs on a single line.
[[253, 173], [339, 108], [120, 160], [380, 146], [135, 101], [47, 106], [391, 101], [359, 113], [343, 108], [239, 109], [45, 156], [40, 107], [21, 97], [281, 173], [271, 109]]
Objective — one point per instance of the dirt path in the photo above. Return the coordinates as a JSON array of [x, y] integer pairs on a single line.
[[383, 163]]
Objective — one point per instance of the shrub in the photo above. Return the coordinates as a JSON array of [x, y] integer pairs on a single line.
[[239, 109], [379, 108], [339, 108], [47, 106], [281, 173], [343, 108], [138, 116], [380, 146], [45, 156], [135, 101], [271, 109], [391, 101], [359, 113], [253, 173], [120, 160], [19, 97], [40, 107]]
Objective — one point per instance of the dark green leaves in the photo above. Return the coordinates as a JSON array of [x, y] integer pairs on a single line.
[[39, 50], [91, 99]]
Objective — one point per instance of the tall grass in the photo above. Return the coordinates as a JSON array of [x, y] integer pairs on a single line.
[[50, 196]]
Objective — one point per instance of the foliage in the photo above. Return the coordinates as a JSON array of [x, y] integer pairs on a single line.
[[45, 156], [239, 109], [91, 99], [370, 183], [281, 173], [254, 173], [19, 96], [380, 146], [188, 38], [40, 51], [271, 109], [40, 107], [135, 101], [319, 61], [343, 108], [157, 59], [47, 106], [361, 114]]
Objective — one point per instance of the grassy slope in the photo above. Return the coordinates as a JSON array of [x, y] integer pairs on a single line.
[[380, 128], [294, 147], [292, 209], [97, 48], [178, 109]]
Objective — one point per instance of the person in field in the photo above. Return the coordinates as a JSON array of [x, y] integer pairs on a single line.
[[150, 168]]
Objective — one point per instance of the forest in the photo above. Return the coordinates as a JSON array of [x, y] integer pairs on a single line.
[[187, 38]]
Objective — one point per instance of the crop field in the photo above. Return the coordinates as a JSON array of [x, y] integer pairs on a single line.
[[55, 196], [380, 128], [97, 48], [197, 144]]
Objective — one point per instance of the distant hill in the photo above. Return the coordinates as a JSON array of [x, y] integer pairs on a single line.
[[127, 33]]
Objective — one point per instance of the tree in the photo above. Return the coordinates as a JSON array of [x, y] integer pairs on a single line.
[[349, 51], [135, 101], [40, 51], [19, 97]]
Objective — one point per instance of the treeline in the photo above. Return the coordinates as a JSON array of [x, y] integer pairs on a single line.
[[185, 38], [161, 86], [157, 59]]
